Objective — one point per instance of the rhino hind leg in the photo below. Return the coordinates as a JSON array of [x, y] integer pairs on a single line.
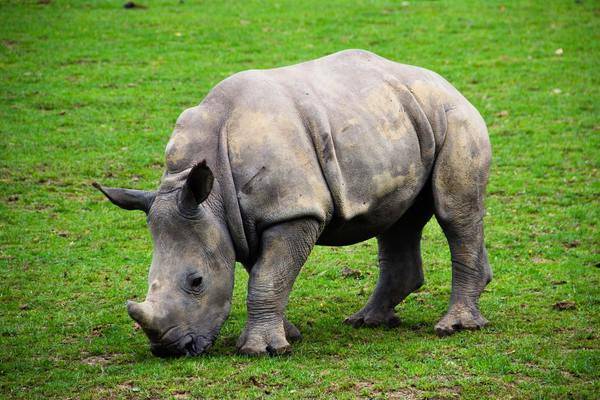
[[284, 249], [458, 185], [400, 266]]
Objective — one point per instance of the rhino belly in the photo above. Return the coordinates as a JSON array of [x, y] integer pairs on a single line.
[[377, 215]]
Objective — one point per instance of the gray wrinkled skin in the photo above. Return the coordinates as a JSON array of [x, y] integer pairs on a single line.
[[333, 151]]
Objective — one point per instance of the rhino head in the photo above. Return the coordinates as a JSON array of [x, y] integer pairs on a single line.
[[190, 283]]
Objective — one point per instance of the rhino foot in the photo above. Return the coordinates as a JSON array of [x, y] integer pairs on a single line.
[[258, 341], [459, 317], [292, 334], [372, 317]]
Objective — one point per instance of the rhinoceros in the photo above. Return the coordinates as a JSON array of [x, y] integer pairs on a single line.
[[331, 152]]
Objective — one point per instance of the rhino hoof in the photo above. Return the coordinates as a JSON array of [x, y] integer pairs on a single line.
[[281, 349], [372, 318], [460, 317], [263, 343], [292, 334]]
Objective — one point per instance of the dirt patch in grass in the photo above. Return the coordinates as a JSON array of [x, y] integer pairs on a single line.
[[564, 305], [351, 273], [101, 360], [181, 394], [368, 390]]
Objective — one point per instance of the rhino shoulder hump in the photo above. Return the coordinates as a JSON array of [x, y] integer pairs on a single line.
[[196, 133]]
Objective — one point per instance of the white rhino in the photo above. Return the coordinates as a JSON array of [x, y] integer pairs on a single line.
[[332, 151]]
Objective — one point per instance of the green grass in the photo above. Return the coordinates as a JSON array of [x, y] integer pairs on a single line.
[[90, 91]]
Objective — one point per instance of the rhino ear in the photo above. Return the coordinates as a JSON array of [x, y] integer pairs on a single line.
[[128, 199], [196, 188]]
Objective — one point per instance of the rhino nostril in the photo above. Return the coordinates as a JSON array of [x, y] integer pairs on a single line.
[[190, 348]]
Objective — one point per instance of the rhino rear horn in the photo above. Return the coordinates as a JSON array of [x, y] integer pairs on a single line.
[[196, 188], [128, 199]]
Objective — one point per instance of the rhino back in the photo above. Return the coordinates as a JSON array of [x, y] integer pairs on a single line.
[[349, 140]]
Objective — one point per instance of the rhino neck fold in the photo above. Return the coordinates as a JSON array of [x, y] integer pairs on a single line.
[[231, 206]]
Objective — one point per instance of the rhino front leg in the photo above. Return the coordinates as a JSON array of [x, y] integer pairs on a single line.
[[284, 249], [400, 266]]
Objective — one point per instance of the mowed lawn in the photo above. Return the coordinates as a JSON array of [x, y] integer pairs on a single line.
[[90, 91]]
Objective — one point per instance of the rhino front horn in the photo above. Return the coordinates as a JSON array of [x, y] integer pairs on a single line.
[[140, 312]]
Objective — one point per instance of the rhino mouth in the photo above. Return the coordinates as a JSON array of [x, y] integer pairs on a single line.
[[187, 345]]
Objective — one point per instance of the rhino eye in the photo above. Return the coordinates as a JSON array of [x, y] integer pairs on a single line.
[[196, 282]]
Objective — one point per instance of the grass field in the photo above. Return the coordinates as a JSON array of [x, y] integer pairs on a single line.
[[90, 91]]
